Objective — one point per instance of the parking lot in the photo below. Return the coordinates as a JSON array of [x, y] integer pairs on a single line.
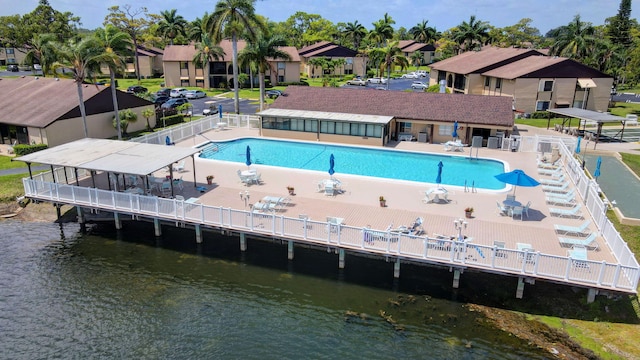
[[394, 84]]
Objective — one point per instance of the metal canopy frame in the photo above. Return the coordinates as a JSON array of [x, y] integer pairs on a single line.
[[587, 115]]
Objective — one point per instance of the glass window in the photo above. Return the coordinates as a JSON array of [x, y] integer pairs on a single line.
[[343, 128], [487, 81], [445, 130], [498, 83], [374, 130], [349, 61], [311, 125], [10, 50], [542, 105], [184, 65], [546, 85], [282, 65], [328, 127]]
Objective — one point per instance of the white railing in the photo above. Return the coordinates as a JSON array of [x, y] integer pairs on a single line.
[[620, 277], [192, 128]]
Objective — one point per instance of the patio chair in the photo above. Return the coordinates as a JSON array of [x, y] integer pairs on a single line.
[[525, 209], [588, 242], [511, 197], [244, 179], [576, 230], [502, 210], [416, 227], [499, 249], [329, 190], [575, 212], [166, 188], [517, 211]]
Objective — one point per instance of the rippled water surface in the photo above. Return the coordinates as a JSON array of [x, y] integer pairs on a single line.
[[67, 295]]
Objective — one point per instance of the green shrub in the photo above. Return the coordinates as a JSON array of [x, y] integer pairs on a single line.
[[302, 83], [436, 89], [540, 115], [170, 120], [24, 149]]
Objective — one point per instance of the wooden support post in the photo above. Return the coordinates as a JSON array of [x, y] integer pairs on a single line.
[[80, 214], [198, 234], [396, 269], [243, 242], [520, 289], [456, 278], [156, 227], [341, 259], [591, 295], [116, 218], [290, 250]]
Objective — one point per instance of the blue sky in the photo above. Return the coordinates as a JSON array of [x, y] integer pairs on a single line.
[[546, 14]]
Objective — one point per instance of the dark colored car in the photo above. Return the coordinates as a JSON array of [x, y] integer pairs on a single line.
[[136, 89], [272, 94], [160, 99], [174, 103], [164, 92], [13, 68]]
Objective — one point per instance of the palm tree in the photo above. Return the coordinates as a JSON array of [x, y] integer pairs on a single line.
[[574, 40], [232, 18], [471, 34], [127, 116], [356, 32], [391, 55], [206, 51], [416, 59], [82, 57], [318, 62], [147, 113], [43, 51], [171, 25], [381, 32], [423, 33], [197, 28], [258, 54], [115, 44]]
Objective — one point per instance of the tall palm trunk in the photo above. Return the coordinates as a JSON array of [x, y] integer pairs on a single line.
[[83, 112], [135, 54], [114, 98], [261, 81], [236, 89]]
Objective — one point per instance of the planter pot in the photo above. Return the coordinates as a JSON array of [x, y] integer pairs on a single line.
[[383, 203], [209, 181], [467, 214], [291, 191]]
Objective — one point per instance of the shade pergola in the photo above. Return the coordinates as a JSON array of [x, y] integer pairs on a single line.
[[111, 156], [587, 115]]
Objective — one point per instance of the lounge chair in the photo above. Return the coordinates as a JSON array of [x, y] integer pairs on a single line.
[[548, 165], [416, 227], [566, 212], [577, 230], [561, 201], [547, 172], [578, 255], [551, 182], [561, 189], [179, 167], [588, 242]]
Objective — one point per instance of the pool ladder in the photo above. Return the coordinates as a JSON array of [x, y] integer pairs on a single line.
[[471, 188]]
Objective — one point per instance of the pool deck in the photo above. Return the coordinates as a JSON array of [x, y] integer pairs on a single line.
[[359, 204]]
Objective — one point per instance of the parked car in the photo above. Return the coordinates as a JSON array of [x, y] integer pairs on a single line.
[[195, 94], [136, 89], [174, 103], [419, 85], [37, 67], [410, 75], [164, 92], [160, 99], [12, 68], [272, 94], [377, 80], [422, 73], [357, 81], [177, 92]]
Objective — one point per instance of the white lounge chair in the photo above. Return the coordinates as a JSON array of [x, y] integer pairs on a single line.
[[551, 172], [179, 167], [566, 212], [561, 201], [553, 182], [548, 165], [577, 230], [561, 189], [588, 242]]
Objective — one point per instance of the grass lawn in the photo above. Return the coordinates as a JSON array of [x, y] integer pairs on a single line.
[[619, 109], [11, 185]]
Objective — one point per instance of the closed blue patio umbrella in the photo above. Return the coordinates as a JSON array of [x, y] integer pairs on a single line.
[[596, 172], [332, 163], [578, 145], [248, 162], [454, 134], [220, 111], [517, 177], [439, 177]]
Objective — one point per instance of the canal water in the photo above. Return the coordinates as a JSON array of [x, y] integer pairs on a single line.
[[108, 294]]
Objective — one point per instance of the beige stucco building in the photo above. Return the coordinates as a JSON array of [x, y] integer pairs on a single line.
[[181, 71], [409, 47], [354, 63], [39, 110], [533, 81], [11, 55]]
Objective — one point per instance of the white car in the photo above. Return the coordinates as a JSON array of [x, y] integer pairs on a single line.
[[358, 82], [410, 75], [195, 94], [377, 80], [177, 92], [419, 85], [422, 73]]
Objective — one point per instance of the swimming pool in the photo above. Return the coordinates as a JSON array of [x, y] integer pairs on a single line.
[[381, 163]]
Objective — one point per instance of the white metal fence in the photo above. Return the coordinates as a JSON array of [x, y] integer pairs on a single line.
[[193, 128], [621, 277]]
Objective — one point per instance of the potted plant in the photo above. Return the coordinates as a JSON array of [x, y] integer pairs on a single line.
[[209, 179], [468, 212], [383, 201], [291, 189]]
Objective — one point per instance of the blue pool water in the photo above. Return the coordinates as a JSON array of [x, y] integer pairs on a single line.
[[382, 163]]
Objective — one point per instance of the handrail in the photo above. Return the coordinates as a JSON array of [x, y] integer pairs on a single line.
[[619, 277]]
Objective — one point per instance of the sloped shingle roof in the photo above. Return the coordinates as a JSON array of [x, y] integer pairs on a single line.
[[187, 52], [543, 66], [474, 61], [477, 109]]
